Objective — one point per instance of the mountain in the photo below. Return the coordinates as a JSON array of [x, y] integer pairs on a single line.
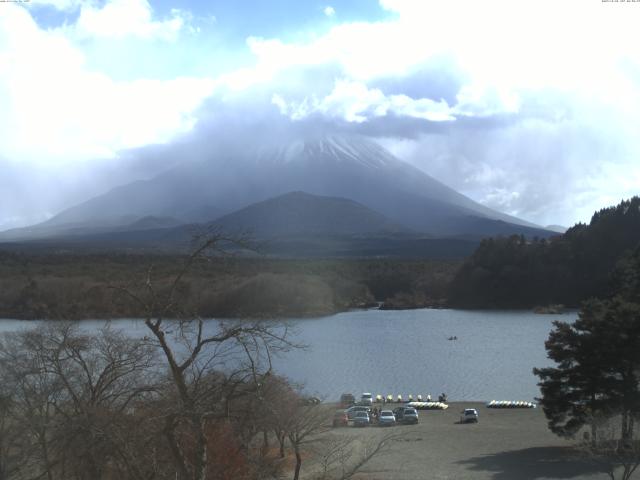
[[301, 214], [295, 224], [348, 167]]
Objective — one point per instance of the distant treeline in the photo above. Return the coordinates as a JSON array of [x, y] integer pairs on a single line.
[[518, 273], [509, 272], [62, 286]]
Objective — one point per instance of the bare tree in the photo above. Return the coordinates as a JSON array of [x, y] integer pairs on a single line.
[[82, 405], [304, 424], [333, 455], [11, 457], [30, 403], [195, 351], [279, 400], [341, 456], [370, 449], [73, 400]]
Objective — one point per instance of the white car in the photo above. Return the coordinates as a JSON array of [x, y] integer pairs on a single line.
[[469, 415], [366, 399], [386, 418]]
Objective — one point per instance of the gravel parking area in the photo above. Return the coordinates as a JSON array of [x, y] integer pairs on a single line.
[[505, 444]]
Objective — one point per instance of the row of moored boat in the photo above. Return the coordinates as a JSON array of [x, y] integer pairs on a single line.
[[510, 404], [401, 399], [428, 405]]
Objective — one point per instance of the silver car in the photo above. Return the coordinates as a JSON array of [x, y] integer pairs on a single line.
[[361, 419], [386, 418], [469, 415]]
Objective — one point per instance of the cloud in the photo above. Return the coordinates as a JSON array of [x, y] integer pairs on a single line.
[[518, 106], [62, 5], [353, 101], [542, 169], [58, 110], [526, 107], [66, 127], [118, 19], [124, 18], [329, 11]]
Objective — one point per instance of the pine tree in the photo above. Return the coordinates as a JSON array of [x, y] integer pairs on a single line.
[[598, 361]]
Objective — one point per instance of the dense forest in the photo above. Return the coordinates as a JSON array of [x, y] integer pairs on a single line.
[[518, 273], [65, 286]]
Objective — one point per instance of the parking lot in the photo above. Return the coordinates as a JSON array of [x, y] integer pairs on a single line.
[[504, 444]]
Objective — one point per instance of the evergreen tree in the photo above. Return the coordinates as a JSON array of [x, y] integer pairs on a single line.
[[598, 361], [566, 269]]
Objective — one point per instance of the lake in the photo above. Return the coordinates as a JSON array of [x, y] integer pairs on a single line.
[[408, 352]]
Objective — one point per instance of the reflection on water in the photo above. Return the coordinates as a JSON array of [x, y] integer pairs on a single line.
[[409, 352]]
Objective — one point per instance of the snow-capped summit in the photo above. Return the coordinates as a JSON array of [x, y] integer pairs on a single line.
[[329, 149]]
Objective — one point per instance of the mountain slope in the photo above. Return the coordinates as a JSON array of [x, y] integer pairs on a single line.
[[302, 214], [347, 167]]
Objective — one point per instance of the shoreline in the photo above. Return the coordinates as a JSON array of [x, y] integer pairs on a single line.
[[301, 315]]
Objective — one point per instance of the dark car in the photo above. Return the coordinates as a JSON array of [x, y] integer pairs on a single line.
[[398, 411], [340, 419], [406, 415], [347, 399]]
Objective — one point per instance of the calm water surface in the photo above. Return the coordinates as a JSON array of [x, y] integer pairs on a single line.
[[408, 352]]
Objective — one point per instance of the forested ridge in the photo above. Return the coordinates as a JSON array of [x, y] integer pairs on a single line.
[[515, 272], [59, 286]]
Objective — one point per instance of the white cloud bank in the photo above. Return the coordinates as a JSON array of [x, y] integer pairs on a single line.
[[122, 18], [541, 122], [57, 110], [530, 107]]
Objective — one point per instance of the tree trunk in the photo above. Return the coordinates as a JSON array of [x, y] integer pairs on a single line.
[[201, 449], [45, 456], [176, 452], [296, 473], [265, 442], [281, 438], [92, 467], [624, 430]]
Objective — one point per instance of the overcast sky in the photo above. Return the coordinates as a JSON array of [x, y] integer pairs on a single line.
[[530, 107]]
